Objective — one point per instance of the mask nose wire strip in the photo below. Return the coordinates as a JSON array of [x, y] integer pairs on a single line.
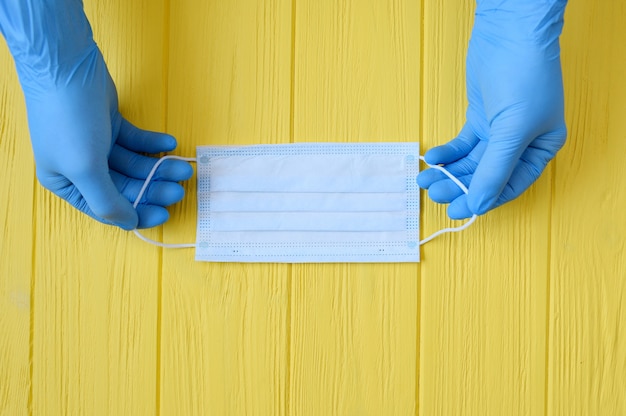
[[143, 190], [464, 189]]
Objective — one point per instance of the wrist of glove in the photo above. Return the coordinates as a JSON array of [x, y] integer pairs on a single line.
[[520, 21], [515, 117], [45, 36]]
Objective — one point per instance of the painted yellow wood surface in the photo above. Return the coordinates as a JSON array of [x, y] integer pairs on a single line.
[[224, 327], [522, 314], [94, 290], [354, 327], [16, 243], [586, 372], [484, 292]]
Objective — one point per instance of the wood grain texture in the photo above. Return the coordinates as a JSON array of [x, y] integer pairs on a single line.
[[16, 241], [354, 327], [484, 291], [95, 287], [224, 329], [587, 356], [522, 314]]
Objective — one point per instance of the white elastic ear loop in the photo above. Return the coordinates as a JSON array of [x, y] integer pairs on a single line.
[[143, 190], [193, 159], [464, 189]]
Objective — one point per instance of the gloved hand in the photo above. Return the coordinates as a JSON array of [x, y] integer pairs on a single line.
[[85, 151], [515, 118]]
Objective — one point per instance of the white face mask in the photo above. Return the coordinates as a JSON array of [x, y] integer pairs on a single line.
[[308, 203]]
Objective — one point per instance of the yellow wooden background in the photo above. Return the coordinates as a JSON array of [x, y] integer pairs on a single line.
[[522, 314]]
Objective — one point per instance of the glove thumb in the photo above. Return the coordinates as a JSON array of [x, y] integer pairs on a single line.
[[103, 198], [494, 170]]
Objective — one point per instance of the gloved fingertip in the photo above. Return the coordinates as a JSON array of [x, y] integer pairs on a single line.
[[480, 204], [433, 156], [422, 180], [129, 222], [124, 225], [160, 142], [152, 216], [454, 215], [145, 141], [171, 193], [169, 142], [127, 226], [428, 177], [187, 172], [175, 171], [119, 212], [444, 192], [458, 209]]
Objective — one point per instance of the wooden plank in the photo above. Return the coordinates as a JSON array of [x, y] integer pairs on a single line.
[[484, 291], [225, 326], [16, 242], [354, 327], [95, 287], [587, 356]]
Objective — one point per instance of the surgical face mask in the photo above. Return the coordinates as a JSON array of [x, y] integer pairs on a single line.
[[308, 203]]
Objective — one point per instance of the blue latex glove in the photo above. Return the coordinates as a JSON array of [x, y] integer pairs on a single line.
[[85, 151], [515, 119]]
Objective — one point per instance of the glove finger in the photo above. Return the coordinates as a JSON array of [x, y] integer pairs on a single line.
[[494, 170], [462, 167], [429, 176], [163, 193], [138, 140], [151, 216], [458, 209], [446, 191], [454, 150], [103, 198], [135, 165]]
